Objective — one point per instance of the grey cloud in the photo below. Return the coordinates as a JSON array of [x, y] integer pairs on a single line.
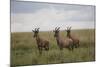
[[48, 16]]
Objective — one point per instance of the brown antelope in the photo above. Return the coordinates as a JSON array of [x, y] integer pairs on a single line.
[[62, 43], [41, 43], [75, 39]]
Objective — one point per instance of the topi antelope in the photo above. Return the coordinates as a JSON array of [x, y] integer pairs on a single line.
[[41, 43], [75, 39], [62, 43]]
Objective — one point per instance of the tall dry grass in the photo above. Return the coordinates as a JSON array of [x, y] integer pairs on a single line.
[[24, 49]]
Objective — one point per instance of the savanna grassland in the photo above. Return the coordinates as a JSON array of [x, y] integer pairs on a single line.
[[24, 49]]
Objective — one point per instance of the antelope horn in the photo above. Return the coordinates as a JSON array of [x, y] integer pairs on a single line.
[[58, 28], [35, 29], [38, 29]]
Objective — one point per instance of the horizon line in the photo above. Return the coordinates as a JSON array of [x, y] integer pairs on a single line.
[[52, 30]]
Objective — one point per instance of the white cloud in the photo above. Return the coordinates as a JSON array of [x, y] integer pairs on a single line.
[[49, 18]]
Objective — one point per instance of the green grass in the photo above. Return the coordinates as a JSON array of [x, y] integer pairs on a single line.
[[24, 49]]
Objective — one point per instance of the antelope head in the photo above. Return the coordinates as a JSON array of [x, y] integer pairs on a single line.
[[56, 31], [36, 31], [68, 30]]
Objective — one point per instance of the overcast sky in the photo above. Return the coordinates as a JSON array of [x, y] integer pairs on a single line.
[[26, 16]]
